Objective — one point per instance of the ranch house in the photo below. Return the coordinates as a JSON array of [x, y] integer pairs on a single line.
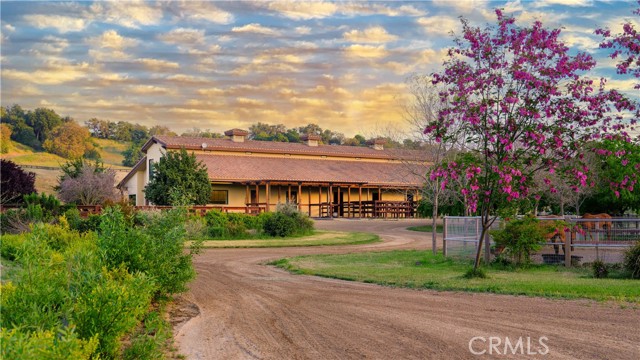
[[323, 180]]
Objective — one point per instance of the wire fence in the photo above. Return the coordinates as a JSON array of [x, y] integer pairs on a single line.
[[583, 240]]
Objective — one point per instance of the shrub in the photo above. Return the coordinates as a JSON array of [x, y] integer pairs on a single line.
[[59, 344], [10, 246], [632, 261], [50, 204], [15, 182], [14, 221], [279, 225], [195, 228], [90, 187], [156, 249], [599, 269], [475, 274], [520, 238], [112, 307], [77, 223]]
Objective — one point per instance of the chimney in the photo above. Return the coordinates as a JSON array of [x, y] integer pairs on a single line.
[[237, 135], [377, 144], [311, 139]]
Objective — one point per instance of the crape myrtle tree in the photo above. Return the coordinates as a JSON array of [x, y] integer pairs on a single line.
[[520, 101], [179, 179], [625, 46]]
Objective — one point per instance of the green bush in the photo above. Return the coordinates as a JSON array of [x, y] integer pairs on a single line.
[[112, 308], [10, 246], [76, 222], [232, 225], [632, 261], [279, 225], [59, 344], [520, 238], [599, 269], [157, 248]]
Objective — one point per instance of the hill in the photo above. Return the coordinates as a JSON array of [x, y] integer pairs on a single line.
[[47, 177]]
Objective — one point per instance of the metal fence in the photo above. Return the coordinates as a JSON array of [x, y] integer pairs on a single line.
[[585, 239], [461, 235]]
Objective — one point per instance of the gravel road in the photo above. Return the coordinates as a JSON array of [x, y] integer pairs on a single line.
[[247, 310]]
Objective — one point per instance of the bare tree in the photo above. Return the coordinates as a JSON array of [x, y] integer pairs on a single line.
[[89, 188], [421, 109]]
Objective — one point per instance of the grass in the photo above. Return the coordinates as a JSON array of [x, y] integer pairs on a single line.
[[426, 228], [423, 270], [110, 151], [317, 239]]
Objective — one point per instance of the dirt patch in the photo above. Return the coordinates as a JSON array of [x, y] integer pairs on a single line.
[[182, 311], [249, 310]]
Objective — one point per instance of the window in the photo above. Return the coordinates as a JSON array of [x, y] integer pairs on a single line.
[[219, 197], [150, 169], [132, 200]]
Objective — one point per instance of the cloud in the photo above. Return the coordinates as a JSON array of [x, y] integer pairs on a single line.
[[63, 24], [464, 7], [110, 46], [131, 14], [374, 34], [50, 46], [303, 30], [248, 102], [303, 10], [183, 36], [52, 74], [366, 51], [355, 9], [150, 90], [199, 11], [9, 27], [158, 65], [580, 41], [439, 25], [546, 3], [254, 28]]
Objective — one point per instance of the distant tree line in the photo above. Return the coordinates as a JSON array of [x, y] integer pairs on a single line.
[[44, 129]]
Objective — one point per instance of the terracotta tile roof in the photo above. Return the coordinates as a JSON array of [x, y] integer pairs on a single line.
[[255, 168], [195, 143]]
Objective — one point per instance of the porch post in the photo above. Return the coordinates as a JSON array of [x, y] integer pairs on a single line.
[[339, 202], [299, 197], [309, 202], [320, 200], [267, 188], [329, 200], [360, 200], [247, 196], [279, 193], [349, 200], [257, 193], [289, 194]]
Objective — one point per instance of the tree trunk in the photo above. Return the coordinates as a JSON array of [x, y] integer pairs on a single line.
[[562, 208], [434, 216]]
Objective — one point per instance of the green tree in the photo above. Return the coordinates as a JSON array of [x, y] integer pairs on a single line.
[[179, 173], [43, 121], [132, 154]]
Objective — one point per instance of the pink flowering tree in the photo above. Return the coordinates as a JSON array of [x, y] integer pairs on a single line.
[[522, 104], [626, 47]]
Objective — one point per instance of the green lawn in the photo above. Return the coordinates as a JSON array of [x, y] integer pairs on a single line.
[[422, 269], [426, 228], [317, 239]]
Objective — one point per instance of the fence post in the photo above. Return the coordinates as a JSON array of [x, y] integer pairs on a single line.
[[444, 236], [567, 247]]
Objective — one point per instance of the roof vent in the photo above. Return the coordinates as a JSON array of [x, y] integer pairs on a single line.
[[377, 144], [237, 135], [311, 139]]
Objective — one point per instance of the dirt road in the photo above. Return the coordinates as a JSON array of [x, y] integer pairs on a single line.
[[252, 311]]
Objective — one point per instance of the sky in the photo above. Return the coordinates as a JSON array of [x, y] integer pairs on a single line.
[[219, 65]]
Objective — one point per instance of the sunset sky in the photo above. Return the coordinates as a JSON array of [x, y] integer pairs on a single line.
[[219, 65]]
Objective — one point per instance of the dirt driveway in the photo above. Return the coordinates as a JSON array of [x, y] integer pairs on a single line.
[[252, 311]]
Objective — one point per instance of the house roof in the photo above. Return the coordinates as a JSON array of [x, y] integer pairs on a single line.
[[254, 168], [196, 143]]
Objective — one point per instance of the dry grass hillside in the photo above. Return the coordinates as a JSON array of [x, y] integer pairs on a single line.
[[46, 179]]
